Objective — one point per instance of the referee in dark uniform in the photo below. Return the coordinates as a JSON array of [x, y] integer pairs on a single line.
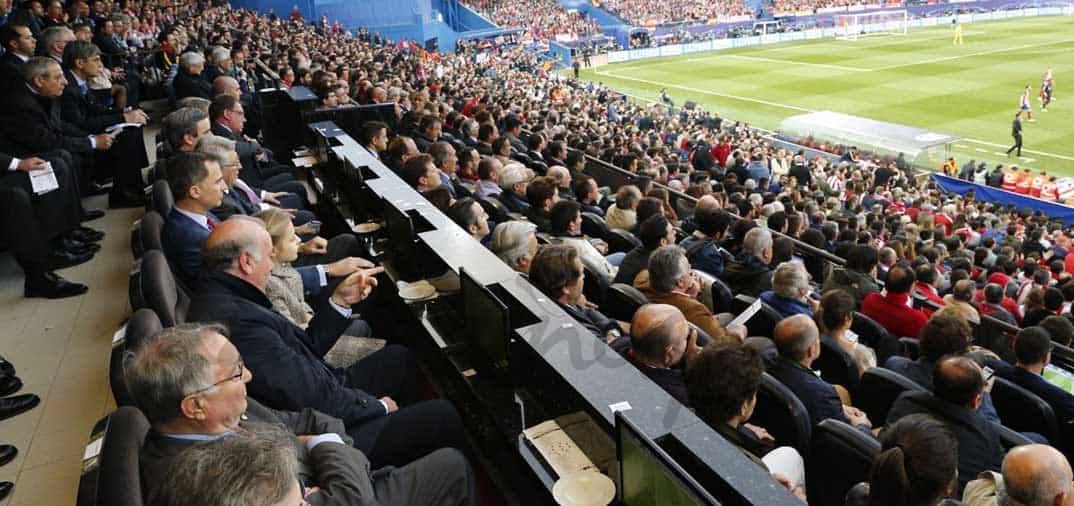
[[1016, 132]]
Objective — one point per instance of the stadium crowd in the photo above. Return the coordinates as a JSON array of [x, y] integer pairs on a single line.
[[544, 19], [501, 148], [645, 13]]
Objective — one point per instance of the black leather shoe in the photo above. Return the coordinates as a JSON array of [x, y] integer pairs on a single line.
[[96, 189], [92, 234], [63, 259], [52, 286], [71, 245], [7, 453], [6, 368], [5, 489], [91, 214], [17, 405], [9, 385], [85, 235]]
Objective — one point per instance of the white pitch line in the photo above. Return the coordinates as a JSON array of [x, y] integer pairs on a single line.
[[802, 109], [706, 92], [791, 62], [970, 55], [1041, 153]]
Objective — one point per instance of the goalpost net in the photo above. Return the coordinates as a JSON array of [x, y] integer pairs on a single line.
[[852, 26]]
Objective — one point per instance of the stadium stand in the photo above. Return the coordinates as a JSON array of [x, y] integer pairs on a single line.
[[405, 345]]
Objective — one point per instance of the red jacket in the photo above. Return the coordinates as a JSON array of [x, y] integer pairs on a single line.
[[892, 312], [1007, 303], [930, 293]]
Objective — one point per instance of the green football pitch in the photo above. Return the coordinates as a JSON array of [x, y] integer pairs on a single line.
[[919, 79]]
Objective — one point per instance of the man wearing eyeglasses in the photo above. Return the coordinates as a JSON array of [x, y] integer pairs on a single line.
[[378, 398], [190, 382]]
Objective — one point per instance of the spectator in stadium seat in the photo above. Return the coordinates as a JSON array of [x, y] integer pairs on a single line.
[[420, 173], [890, 309], [557, 271], [886, 258], [960, 301], [240, 197], [586, 193], [182, 129], [1033, 350], [993, 304], [469, 215], [703, 246], [654, 233], [927, 281], [489, 170], [660, 343], [1033, 474], [797, 347], [431, 129], [515, 242], [958, 384], [858, 277], [917, 464], [514, 180], [373, 136], [622, 214], [541, 194], [563, 181], [942, 335], [790, 291], [1051, 303], [446, 162], [749, 273], [197, 185], [567, 228], [722, 382], [834, 318], [1060, 328], [669, 280], [188, 81], [400, 150], [173, 380], [377, 398]]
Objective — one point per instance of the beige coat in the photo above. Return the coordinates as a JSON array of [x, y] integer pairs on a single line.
[[285, 292]]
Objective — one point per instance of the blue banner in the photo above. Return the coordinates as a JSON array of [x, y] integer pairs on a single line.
[[999, 196]]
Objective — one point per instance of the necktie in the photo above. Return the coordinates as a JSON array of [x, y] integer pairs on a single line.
[[83, 88], [209, 220]]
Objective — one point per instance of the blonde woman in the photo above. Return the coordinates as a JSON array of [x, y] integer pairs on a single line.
[[284, 289]]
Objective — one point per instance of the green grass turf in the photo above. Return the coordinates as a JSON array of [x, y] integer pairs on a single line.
[[919, 79]]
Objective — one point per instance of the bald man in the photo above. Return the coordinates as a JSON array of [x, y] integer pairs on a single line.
[[797, 347], [660, 338], [377, 398], [1033, 475], [226, 85]]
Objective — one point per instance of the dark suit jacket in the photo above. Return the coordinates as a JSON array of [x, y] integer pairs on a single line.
[[818, 396], [182, 238], [83, 110], [979, 446], [340, 471], [187, 85], [32, 124], [235, 202], [1061, 401], [513, 202], [285, 359], [635, 261], [107, 44], [592, 319], [670, 379], [541, 218], [748, 275]]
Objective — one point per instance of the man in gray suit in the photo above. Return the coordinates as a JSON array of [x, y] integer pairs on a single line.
[[190, 382]]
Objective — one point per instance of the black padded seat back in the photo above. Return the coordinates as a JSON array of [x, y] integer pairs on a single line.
[[161, 291], [1024, 411], [841, 457], [781, 413], [119, 481], [593, 225], [838, 367], [622, 301], [161, 198], [879, 389], [150, 230], [143, 324]]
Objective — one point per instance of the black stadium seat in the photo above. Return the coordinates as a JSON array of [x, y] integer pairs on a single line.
[[879, 389], [143, 324], [1024, 411], [494, 208], [875, 336], [594, 226], [149, 231], [722, 296], [834, 441], [622, 301], [161, 199], [595, 286], [763, 323], [621, 240], [837, 367], [781, 413], [911, 347], [113, 479], [161, 291], [1063, 356]]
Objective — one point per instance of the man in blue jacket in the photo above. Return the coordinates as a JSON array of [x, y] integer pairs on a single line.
[[1033, 350]]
